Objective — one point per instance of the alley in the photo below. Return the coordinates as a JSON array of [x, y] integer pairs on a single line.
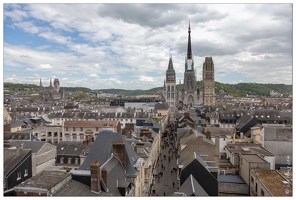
[[165, 182]]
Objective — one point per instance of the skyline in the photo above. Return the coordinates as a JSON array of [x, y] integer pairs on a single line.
[[127, 46]]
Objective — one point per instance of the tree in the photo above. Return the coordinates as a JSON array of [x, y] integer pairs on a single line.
[[81, 95]]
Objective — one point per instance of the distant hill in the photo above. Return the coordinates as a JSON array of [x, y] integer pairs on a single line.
[[236, 90]]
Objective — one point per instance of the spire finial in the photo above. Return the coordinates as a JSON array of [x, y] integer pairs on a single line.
[[189, 53]]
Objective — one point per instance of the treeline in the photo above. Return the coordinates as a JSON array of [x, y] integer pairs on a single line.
[[236, 90]]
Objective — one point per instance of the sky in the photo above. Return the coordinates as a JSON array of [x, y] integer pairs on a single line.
[[128, 45]]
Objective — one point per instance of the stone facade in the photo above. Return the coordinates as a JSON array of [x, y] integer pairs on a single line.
[[208, 82]]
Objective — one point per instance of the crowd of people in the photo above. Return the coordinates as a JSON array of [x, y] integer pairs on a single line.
[[166, 173]]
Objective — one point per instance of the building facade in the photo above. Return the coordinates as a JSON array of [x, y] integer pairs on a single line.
[[51, 93], [169, 92], [208, 82]]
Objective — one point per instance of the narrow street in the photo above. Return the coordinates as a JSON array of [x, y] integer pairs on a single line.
[[166, 172]]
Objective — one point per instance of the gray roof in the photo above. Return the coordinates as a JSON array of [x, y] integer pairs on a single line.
[[12, 157], [230, 179], [102, 148], [44, 180], [73, 148], [161, 106], [75, 188], [278, 134], [34, 146], [24, 136], [248, 148], [115, 173], [192, 188]]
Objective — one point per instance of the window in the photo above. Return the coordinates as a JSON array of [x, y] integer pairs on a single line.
[[19, 176], [262, 192], [252, 180], [26, 172], [81, 129], [67, 137], [74, 137], [62, 160], [74, 129], [81, 136], [97, 128], [67, 129]]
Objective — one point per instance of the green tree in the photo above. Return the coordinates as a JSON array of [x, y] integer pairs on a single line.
[[81, 95]]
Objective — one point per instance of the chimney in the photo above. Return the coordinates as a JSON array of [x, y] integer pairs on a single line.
[[7, 127], [119, 152], [104, 176], [84, 144], [208, 135], [95, 177]]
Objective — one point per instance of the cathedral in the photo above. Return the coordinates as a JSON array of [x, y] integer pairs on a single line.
[[190, 94], [52, 93]]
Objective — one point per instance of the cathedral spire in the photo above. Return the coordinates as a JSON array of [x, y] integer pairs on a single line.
[[171, 67], [189, 53], [50, 84], [41, 83]]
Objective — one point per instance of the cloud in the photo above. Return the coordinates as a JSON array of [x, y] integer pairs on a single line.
[[128, 45]]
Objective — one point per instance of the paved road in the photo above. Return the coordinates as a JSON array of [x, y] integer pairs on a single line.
[[166, 178]]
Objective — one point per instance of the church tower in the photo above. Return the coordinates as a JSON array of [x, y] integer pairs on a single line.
[[208, 78], [170, 89], [190, 87]]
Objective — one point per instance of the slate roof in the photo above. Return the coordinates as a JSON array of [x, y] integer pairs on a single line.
[[161, 106], [200, 147], [79, 123], [192, 188], [75, 188], [115, 172], [12, 157], [72, 148], [19, 136], [34, 146], [102, 148]]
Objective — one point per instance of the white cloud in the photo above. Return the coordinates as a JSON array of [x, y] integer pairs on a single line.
[[80, 41]]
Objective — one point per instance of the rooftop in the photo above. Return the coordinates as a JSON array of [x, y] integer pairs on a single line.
[[273, 181]]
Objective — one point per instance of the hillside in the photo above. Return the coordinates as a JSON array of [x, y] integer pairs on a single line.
[[236, 90]]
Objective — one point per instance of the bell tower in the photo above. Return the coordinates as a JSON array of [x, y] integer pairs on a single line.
[[170, 88]]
